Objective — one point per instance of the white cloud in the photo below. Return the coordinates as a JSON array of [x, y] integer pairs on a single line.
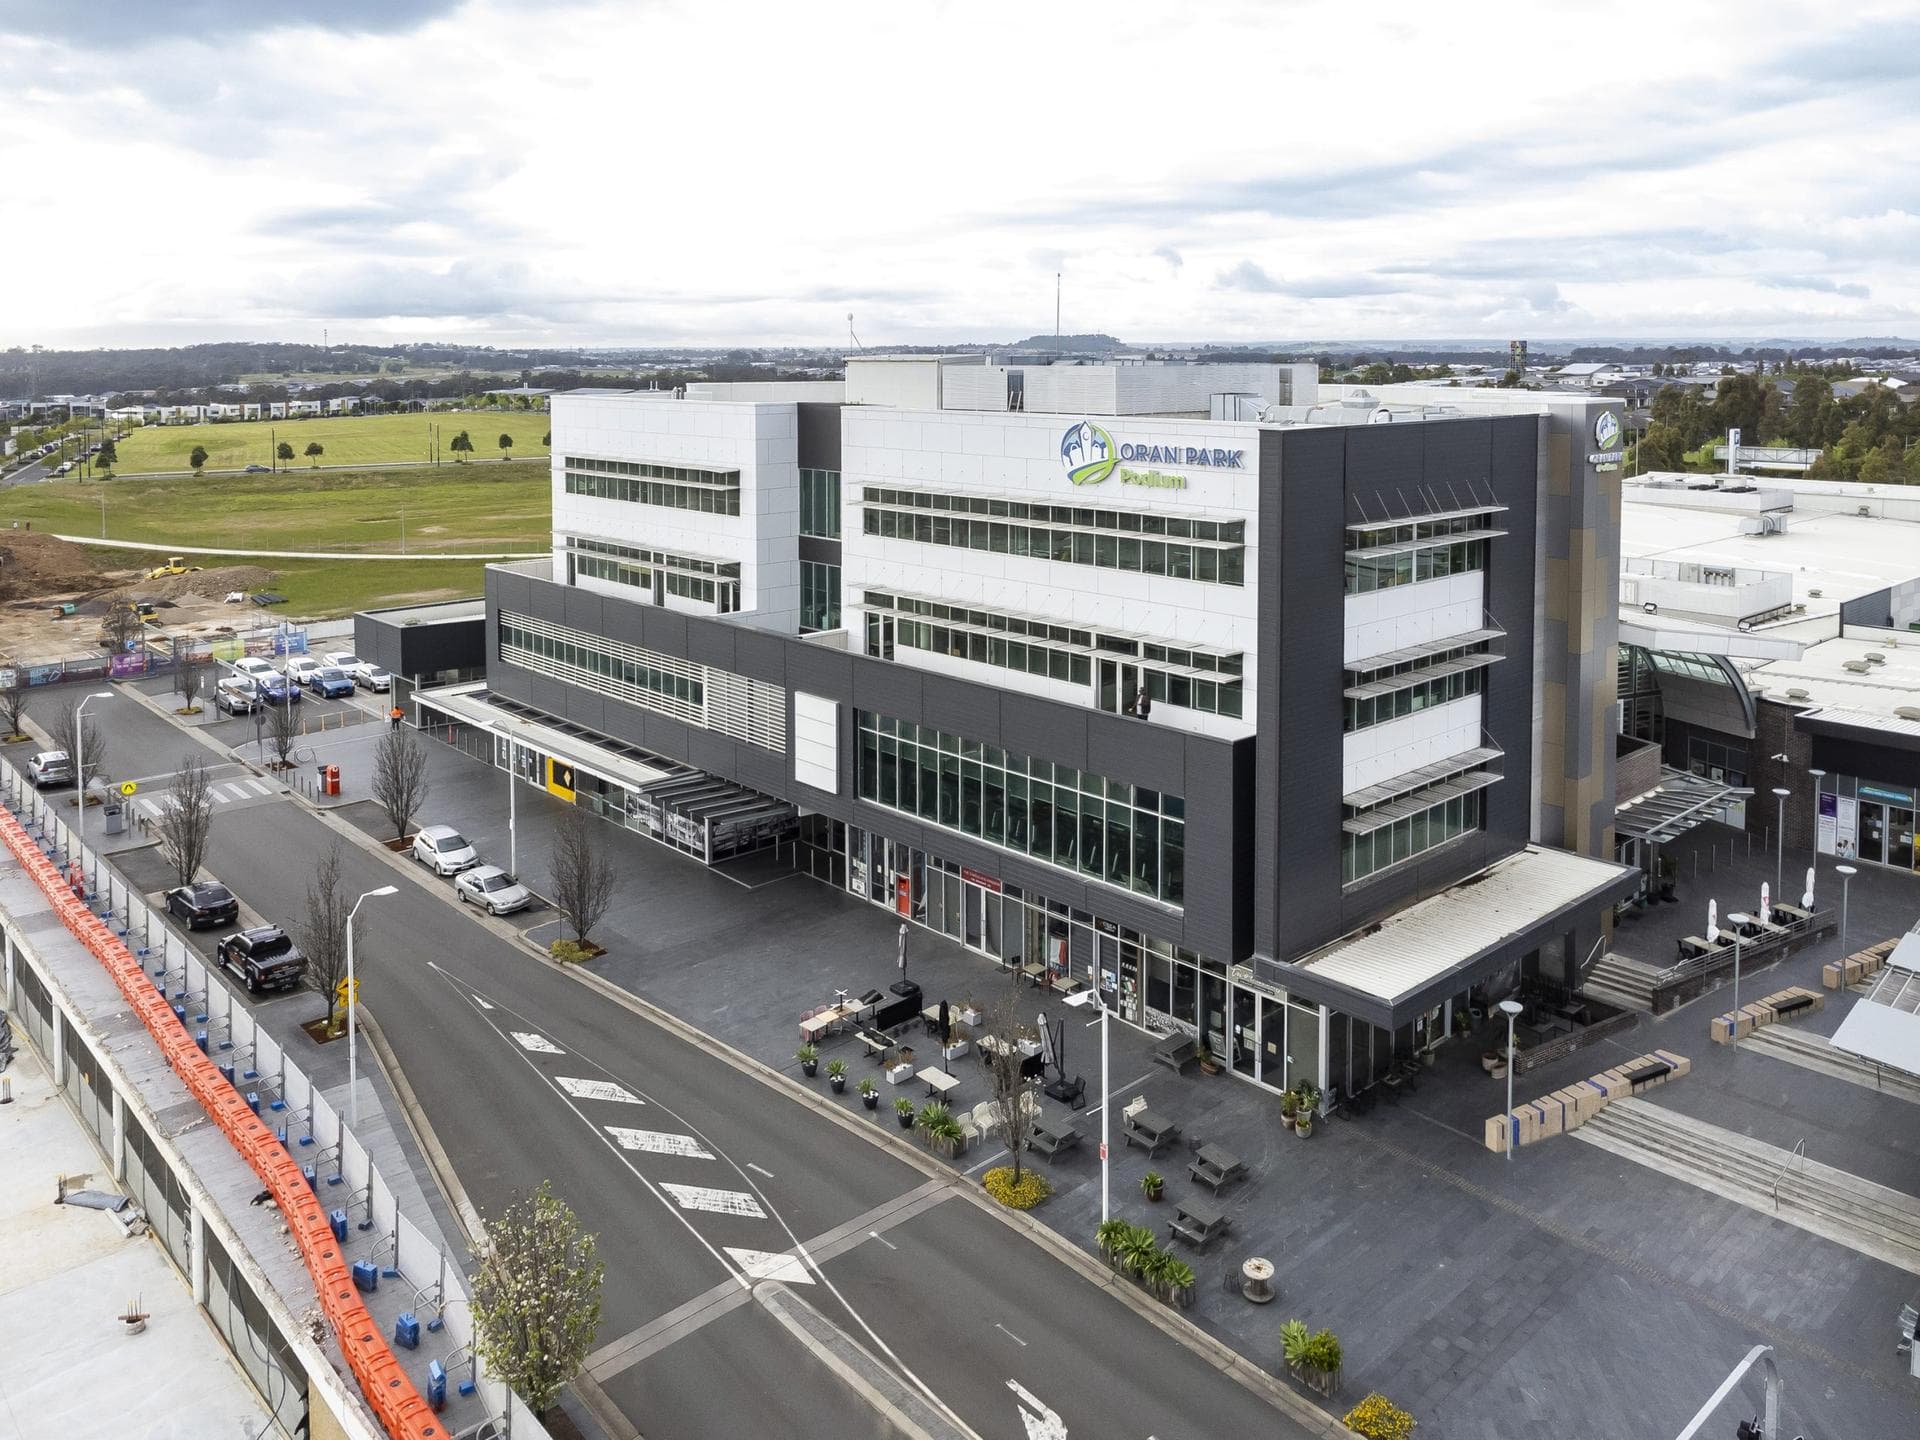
[[624, 173]]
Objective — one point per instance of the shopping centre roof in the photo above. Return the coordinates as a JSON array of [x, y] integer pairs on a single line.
[[1884, 1024]]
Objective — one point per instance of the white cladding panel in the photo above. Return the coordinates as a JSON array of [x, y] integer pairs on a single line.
[[761, 441], [1382, 621], [816, 741], [1381, 752]]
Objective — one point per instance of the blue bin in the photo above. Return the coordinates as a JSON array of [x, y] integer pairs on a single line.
[[253, 1101], [366, 1277], [436, 1386], [406, 1330], [337, 1222], [200, 1039], [226, 1073]]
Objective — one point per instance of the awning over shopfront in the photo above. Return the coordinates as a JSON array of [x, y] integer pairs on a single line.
[[1884, 1025], [1673, 807], [714, 819], [475, 705], [1409, 962]]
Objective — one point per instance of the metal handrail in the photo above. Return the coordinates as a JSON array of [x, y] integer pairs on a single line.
[[1722, 954], [1799, 1151]]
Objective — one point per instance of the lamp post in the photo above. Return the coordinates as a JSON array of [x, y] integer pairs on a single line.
[[1511, 1009], [1846, 874], [1780, 840], [1813, 843], [1079, 1000], [80, 766], [353, 1035], [1739, 923], [513, 806]]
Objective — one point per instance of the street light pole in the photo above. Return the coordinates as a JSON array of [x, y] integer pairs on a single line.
[[1780, 841], [1511, 1009], [1813, 842], [80, 767], [1739, 924], [1846, 874], [353, 994], [1078, 1001]]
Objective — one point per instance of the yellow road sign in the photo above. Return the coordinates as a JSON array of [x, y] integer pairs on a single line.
[[348, 994], [127, 787]]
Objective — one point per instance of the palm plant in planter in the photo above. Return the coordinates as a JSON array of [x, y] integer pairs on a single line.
[[904, 1109], [1313, 1358], [1152, 1184], [1136, 1251], [1178, 1278], [869, 1092], [837, 1076], [943, 1133], [809, 1057], [1107, 1235]]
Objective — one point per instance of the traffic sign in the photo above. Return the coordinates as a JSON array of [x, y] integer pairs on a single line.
[[348, 992], [1103, 1149], [127, 787]]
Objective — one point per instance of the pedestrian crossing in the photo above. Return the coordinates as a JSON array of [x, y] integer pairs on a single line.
[[223, 792]]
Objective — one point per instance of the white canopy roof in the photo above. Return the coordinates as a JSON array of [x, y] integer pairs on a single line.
[[1884, 1025]]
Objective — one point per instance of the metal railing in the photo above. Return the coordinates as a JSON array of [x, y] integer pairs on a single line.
[[1799, 1152]]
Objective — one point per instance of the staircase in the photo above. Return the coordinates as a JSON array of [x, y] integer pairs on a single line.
[[1869, 1218], [1620, 982], [1816, 1052]]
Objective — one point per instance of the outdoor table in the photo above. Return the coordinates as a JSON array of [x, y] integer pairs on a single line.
[[877, 1043], [814, 1026], [1033, 972], [1050, 1136], [1197, 1222], [1149, 1130], [1214, 1166], [938, 1081], [1792, 912]]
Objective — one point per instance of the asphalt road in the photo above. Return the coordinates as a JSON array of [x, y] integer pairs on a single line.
[[527, 1075]]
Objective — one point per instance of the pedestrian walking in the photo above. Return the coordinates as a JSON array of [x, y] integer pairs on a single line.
[[395, 716]]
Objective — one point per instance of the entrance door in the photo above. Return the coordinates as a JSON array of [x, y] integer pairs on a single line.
[[1900, 837], [1303, 1045], [1273, 1042], [973, 913], [1873, 832], [1244, 1041], [1119, 682]]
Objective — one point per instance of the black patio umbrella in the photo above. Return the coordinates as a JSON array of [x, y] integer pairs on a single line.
[[946, 1027]]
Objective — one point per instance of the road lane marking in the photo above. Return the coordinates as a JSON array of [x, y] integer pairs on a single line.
[[656, 1142], [532, 1041], [261, 787], [1041, 1422], [1009, 1334], [717, 1202], [767, 1173], [764, 1265], [593, 1089]]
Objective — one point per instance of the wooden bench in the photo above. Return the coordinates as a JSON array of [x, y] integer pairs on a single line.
[[1175, 1051]]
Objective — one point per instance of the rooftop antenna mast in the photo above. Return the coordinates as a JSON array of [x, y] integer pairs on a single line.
[[1056, 315], [856, 339]]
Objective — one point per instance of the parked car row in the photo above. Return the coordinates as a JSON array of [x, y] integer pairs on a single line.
[[335, 676], [262, 957], [445, 851]]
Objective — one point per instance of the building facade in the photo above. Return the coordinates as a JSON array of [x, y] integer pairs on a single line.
[[1065, 685]]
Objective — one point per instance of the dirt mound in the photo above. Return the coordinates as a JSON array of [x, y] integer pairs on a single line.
[[35, 566], [211, 584]]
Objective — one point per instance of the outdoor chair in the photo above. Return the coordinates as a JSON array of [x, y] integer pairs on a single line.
[[1230, 1279]]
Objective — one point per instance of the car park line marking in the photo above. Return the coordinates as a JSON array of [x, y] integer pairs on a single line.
[[875, 1234], [718, 1202], [764, 1265], [529, 1040], [593, 1089], [1009, 1334], [767, 1173], [659, 1142]]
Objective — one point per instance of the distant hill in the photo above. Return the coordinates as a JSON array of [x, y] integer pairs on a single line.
[[1079, 344]]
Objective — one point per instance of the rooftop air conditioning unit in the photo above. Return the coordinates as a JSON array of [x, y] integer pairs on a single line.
[[1907, 712], [1796, 693], [1865, 512], [1874, 657], [1857, 667], [1813, 594]]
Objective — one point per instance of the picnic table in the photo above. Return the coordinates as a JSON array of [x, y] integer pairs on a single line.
[[939, 1082], [1197, 1222], [1215, 1166], [1050, 1136], [1148, 1130], [878, 1042]]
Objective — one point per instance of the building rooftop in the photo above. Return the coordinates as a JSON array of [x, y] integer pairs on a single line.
[[439, 612]]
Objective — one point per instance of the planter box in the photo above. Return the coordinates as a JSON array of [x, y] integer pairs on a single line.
[[1321, 1382], [899, 1074], [957, 1049], [1029, 1048], [970, 1016]]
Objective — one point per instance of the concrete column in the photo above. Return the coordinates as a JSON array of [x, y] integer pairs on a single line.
[[197, 1254], [119, 1136], [59, 1048]]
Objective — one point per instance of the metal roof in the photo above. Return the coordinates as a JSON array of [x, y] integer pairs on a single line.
[[1884, 1024], [1385, 815], [1407, 679], [1673, 807], [1432, 542]]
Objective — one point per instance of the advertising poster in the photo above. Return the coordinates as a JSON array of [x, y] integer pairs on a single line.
[[1829, 830], [1847, 841]]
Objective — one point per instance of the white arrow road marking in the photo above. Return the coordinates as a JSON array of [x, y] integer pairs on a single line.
[[481, 1003], [530, 1041], [763, 1265], [655, 1142], [720, 1202], [597, 1090], [1045, 1425]]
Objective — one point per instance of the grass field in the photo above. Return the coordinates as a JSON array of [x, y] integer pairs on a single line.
[[347, 440], [325, 589]]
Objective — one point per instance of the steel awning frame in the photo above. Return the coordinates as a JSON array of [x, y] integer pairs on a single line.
[[1369, 663], [1436, 542], [1382, 791], [1675, 806], [1407, 679], [1384, 815]]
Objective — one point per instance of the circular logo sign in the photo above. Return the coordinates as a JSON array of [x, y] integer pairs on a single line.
[[1088, 453], [128, 787], [1606, 430]]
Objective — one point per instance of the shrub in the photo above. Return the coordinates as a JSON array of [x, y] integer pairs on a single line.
[[1322, 1351], [936, 1122], [1293, 1341], [569, 952], [902, 1105], [1177, 1275], [1031, 1189], [1378, 1418]]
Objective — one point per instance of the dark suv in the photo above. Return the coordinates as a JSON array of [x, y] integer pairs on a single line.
[[203, 904], [263, 957]]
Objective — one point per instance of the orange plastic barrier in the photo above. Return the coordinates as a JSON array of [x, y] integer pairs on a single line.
[[399, 1405]]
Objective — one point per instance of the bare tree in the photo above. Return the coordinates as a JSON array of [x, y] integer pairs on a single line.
[[400, 777], [13, 706], [322, 933], [1014, 1108], [536, 1298], [123, 627], [283, 731], [68, 728], [190, 680], [583, 877], [186, 819]]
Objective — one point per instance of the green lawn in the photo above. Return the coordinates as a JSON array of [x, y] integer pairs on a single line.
[[346, 440], [472, 507]]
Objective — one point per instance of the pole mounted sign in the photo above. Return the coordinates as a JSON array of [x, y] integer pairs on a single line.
[[1089, 454]]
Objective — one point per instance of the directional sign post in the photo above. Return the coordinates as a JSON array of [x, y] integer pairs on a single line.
[[127, 787]]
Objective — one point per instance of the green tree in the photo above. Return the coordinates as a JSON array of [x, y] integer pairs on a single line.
[[461, 445], [1806, 419], [284, 451], [1883, 464], [1663, 447], [198, 457], [547, 439], [506, 444], [314, 451], [536, 1298]]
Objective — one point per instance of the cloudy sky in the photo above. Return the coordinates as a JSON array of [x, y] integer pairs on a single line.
[[642, 171]]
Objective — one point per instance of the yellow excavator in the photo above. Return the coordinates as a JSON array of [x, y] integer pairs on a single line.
[[176, 565]]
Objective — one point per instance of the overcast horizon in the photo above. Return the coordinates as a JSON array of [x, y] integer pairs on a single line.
[[599, 174]]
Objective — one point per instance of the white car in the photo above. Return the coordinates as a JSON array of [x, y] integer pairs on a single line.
[[50, 767], [236, 695], [364, 673], [300, 668], [254, 668], [444, 850], [491, 887]]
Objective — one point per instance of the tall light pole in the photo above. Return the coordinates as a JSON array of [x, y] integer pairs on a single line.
[[1813, 844], [1511, 1009], [80, 766], [353, 994], [1780, 840], [1084, 998], [1739, 924], [1846, 874]]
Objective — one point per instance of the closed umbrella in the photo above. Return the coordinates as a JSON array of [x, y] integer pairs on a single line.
[[946, 1028]]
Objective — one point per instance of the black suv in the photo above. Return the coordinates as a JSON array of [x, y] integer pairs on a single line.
[[263, 957], [204, 903]]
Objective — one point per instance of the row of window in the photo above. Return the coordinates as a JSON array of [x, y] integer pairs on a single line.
[[1123, 835], [1408, 532], [820, 503], [1364, 855], [1364, 673], [1086, 517], [722, 595], [819, 596], [655, 681], [1385, 571], [1378, 709], [679, 474], [693, 564], [1181, 560], [1034, 628], [706, 499]]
